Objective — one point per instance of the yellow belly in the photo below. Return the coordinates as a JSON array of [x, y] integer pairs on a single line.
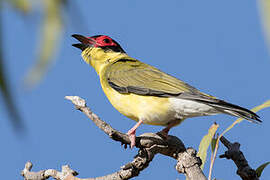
[[152, 110]]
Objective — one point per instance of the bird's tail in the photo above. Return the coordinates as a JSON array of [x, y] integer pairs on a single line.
[[235, 110], [222, 106]]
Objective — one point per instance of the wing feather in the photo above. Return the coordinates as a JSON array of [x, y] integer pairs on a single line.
[[140, 78]]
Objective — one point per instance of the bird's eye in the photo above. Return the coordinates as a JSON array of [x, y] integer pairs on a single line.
[[106, 40]]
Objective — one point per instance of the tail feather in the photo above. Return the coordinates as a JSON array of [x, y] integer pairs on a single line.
[[222, 106], [235, 110]]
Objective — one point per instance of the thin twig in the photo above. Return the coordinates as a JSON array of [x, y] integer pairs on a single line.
[[234, 153]]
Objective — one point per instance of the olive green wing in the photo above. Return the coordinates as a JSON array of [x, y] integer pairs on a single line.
[[132, 76]]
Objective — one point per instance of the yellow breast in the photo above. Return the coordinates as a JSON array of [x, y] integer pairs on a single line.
[[153, 110]]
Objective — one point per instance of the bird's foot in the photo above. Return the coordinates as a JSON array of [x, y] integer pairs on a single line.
[[164, 133], [132, 134], [132, 137]]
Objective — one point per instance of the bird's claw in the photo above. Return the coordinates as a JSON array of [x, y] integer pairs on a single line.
[[132, 138]]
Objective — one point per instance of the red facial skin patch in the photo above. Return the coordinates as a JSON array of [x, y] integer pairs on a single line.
[[102, 41]]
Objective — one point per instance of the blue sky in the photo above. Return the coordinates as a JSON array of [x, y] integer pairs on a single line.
[[218, 47]]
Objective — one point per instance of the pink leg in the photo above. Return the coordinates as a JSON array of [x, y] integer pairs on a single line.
[[132, 133], [166, 130]]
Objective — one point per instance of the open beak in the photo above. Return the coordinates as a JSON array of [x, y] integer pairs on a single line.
[[85, 42]]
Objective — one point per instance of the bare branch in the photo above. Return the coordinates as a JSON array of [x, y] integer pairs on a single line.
[[189, 164], [45, 174], [234, 153], [80, 104], [149, 145]]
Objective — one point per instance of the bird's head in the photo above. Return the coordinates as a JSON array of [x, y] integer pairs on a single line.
[[97, 50]]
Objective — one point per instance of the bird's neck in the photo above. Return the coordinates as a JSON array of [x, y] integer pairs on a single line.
[[99, 59]]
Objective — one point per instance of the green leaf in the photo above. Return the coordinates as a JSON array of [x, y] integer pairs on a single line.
[[213, 144], [260, 169], [50, 35], [264, 9], [205, 142], [6, 91], [22, 5]]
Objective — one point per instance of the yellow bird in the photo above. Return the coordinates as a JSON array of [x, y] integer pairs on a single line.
[[146, 94]]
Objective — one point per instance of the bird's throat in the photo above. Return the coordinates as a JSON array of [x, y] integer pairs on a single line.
[[99, 59]]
